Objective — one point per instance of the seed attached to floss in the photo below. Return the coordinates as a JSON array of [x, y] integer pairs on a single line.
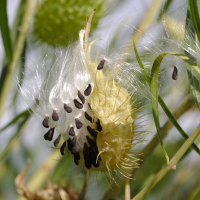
[[78, 104], [45, 122], [175, 73], [81, 97], [101, 65], [62, 149], [56, 142], [88, 90], [88, 117], [99, 134], [78, 123], [67, 108], [55, 116], [49, 135], [71, 131]]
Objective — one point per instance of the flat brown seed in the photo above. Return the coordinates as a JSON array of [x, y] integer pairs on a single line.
[[93, 157], [67, 108], [101, 64], [88, 117], [49, 135], [45, 122], [73, 145], [73, 142], [76, 158], [62, 148], [71, 131], [86, 156], [81, 97], [175, 73], [78, 104], [99, 127], [69, 143], [55, 116], [57, 140], [92, 131], [78, 123], [90, 141], [88, 90]]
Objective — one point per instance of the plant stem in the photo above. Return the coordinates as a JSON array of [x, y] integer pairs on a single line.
[[17, 52], [172, 165], [127, 189]]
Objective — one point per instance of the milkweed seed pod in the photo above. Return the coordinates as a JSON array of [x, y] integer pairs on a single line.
[[56, 22], [88, 97]]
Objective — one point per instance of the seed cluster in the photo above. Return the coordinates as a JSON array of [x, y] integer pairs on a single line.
[[90, 150]]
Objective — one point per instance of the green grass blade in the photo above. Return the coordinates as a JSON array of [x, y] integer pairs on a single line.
[[165, 8], [193, 76], [195, 16], [154, 87], [5, 32], [175, 123], [24, 114], [162, 103], [154, 99], [13, 139]]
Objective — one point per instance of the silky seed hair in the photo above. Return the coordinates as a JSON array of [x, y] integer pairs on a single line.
[[88, 98]]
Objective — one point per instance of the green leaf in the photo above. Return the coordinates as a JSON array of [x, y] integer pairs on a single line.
[[165, 8], [192, 74], [5, 32], [154, 90], [13, 139], [195, 16], [24, 114], [162, 103]]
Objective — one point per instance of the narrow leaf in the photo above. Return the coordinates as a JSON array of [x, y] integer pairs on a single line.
[[162, 103], [24, 114], [192, 74], [5, 32]]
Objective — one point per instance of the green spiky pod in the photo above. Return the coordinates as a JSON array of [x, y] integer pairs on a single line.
[[58, 22]]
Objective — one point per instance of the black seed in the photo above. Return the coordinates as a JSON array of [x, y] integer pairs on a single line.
[[67, 108], [99, 127], [88, 90], [89, 106], [71, 131], [45, 122], [72, 145], [76, 158], [86, 156], [90, 141], [78, 104], [73, 142], [88, 117], [97, 151], [78, 123], [92, 131], [85, 148], [55, 116], [49, 135], [101, 64], [93, 157], [62, 148], [56, 142], [81, 97], [68, 142], [175, 73]]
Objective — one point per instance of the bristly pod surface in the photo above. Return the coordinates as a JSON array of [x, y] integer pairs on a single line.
[[88, 97], [58, 22]]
